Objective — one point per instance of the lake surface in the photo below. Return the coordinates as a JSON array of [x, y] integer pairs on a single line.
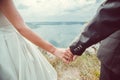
[[60, 34]]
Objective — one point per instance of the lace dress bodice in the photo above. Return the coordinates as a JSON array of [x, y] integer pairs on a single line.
[[5, 25], [3, 21]]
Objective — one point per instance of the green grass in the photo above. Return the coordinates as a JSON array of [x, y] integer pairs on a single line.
[[87, 67]]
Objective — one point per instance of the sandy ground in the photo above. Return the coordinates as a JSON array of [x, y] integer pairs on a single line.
[[70, 74]]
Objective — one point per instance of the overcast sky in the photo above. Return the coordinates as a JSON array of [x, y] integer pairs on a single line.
[[56, 10]]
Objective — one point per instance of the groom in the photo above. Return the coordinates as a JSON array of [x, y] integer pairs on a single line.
[[104, 26]]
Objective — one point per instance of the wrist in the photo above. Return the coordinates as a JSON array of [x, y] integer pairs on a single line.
[[53, 50], [77, 50]]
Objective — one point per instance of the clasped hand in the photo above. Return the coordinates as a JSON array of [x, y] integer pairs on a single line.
[[65, 54]]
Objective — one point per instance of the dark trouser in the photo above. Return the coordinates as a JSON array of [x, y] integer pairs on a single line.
[[107, 74]]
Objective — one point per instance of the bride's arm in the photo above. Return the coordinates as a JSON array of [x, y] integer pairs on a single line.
[[8, 9]]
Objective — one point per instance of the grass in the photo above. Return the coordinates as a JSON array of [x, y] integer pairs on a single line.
[[85, 67]]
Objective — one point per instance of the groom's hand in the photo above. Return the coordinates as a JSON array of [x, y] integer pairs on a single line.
[[70, 53]]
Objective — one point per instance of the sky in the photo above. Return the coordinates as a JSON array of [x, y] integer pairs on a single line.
[[56, 10]]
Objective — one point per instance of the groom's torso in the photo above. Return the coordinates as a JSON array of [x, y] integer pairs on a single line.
[[109, 51]]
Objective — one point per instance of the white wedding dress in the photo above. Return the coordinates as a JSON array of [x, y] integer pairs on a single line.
[[19, 58]]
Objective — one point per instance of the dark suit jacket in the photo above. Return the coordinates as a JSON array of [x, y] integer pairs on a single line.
[[105, 25]]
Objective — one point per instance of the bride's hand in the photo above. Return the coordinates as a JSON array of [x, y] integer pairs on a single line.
[[62, 54], [69, 52]]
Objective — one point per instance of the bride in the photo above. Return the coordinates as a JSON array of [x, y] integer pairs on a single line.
[[19, 57]]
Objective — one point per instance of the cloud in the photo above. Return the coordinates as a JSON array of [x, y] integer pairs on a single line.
[[22, 6], [42, 10]]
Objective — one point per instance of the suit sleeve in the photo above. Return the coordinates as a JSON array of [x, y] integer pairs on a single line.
[[106, 22]]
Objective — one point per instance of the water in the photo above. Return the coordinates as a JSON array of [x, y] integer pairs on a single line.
[[60, 34]]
